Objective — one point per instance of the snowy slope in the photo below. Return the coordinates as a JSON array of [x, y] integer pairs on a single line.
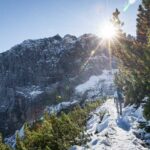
[[98, 86], [113, 132]]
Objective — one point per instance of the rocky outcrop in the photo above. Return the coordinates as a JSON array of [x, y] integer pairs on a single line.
[[37, 73]]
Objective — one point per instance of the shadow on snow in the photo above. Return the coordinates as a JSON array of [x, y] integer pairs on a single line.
[[122, 123]]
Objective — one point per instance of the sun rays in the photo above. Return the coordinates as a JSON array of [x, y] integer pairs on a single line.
[[110, 36], [108, 31]]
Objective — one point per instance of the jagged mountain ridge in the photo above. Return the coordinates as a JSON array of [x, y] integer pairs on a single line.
[[35, 72]]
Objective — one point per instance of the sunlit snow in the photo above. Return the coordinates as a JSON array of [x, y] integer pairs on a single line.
[[113, 132], [95, 84]]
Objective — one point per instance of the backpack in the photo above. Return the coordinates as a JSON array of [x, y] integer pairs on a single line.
[[120, 96]]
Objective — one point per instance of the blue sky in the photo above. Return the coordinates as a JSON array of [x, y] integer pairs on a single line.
[[33, 19]]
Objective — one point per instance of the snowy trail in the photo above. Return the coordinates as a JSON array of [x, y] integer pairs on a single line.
[[123, 138], [113, 132]]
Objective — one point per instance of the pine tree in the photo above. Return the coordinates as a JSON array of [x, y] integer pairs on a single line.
[[148, 41], [134, 64], [143, 21], [19, 143], [117, 23], [56, 132], [2, 145]]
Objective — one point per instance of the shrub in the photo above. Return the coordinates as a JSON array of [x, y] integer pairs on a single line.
[[57, 132]]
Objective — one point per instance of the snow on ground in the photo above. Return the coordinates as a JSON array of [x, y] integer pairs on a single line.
[[57, 108], [93, 81], [113, 132], [35, 93], [100, 85], [29, 91], [12, 140]]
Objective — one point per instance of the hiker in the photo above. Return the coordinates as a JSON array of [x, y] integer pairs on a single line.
[[115, 96], [118, 99]]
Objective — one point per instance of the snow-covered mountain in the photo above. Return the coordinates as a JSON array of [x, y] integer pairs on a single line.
[[49, 71]]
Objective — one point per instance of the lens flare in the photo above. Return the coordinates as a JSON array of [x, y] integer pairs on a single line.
[[129, 3], [108, 31]]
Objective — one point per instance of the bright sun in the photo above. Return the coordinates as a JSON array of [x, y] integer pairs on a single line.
[[108, 31]]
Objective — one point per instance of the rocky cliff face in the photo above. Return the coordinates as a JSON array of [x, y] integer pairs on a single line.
[[37, 73]]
